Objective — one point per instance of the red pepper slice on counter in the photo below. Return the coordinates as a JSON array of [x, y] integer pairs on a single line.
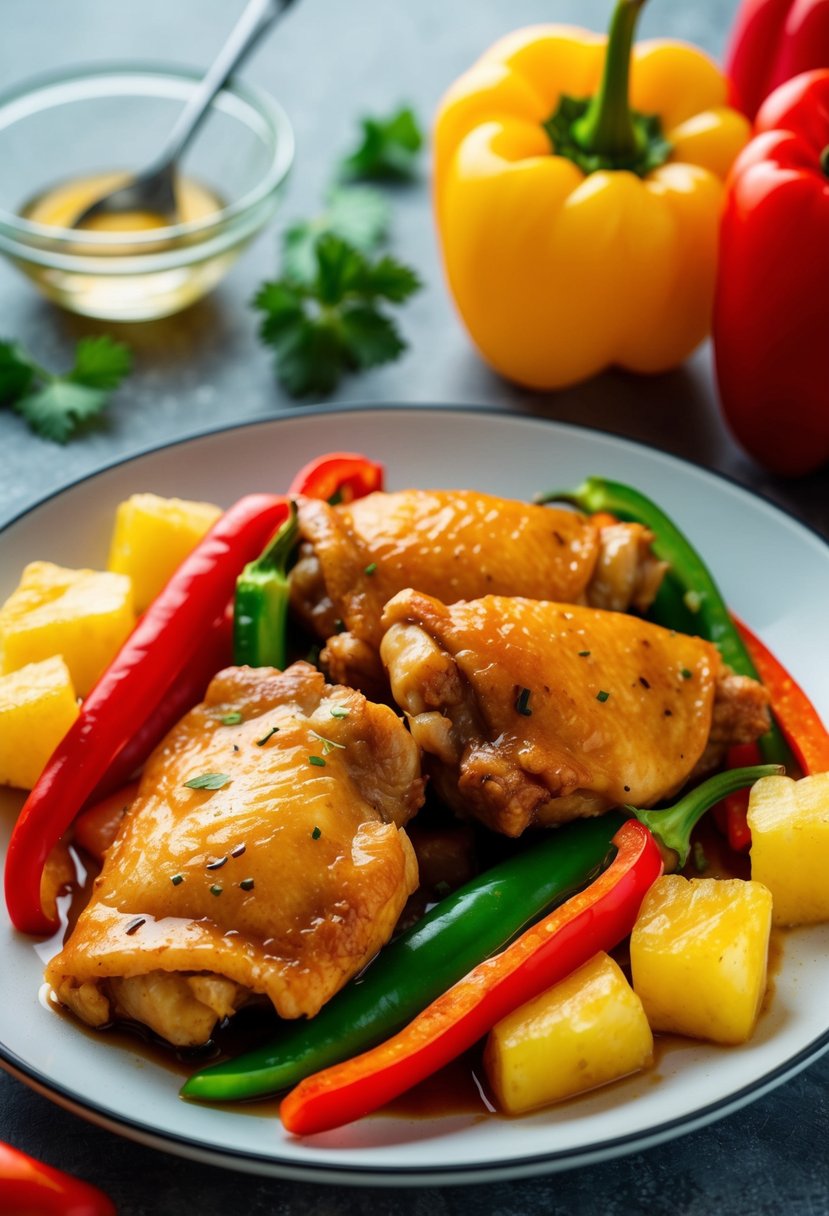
[[130, 691], [596, 919], [30, 1188], [769, 326], [799, 721], [772, 41], [341, 476]]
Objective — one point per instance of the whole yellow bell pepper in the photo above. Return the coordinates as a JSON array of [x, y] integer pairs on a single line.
[[578, 187]]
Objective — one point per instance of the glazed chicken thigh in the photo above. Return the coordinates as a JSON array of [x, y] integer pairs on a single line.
[[455, 544], [531, 713], [280, 874]]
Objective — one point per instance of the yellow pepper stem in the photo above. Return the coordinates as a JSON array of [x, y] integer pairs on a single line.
[[607, 129], [603, 132]]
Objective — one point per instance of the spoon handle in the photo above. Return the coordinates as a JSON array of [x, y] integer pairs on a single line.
[[256, 18]]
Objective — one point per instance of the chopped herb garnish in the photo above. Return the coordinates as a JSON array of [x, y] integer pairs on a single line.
[[207, 781], [317, 761], [177, 879], [522, 703], [217, 863], [699, 858], [602, 696], [371, 568], [261, 742], [247, 884], [583, 654], [339, 711], [232, 719], [315, 835], [686, 674], [238, 851], [328, 744], [215, 889], [135, 925]]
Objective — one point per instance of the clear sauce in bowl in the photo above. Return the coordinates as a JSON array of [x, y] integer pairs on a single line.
[[58, 206]]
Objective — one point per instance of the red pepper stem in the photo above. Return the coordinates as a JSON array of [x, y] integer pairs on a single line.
[[607, 128], [673, 825]]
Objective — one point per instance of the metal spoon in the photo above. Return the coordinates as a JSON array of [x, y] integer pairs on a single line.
[[153, 189]]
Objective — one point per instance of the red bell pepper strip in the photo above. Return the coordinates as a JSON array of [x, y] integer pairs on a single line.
[[342, 476], [214, 653], [772, 41], [799, 721], [30, 1188], [131, 689], [733, 819], [596, 919], [769, 326]]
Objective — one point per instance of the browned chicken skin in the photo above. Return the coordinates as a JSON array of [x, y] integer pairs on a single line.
[[454, 544], [284, 882], [532, 713]]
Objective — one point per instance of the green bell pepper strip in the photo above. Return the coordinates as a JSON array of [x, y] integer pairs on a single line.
[[260, 606], [472, 924], [466, 927], [689, 600]]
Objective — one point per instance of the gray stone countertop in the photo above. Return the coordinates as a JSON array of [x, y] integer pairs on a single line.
[[328, 63]]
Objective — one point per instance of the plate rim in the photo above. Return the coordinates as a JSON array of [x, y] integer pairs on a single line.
[[321, 1171], [411, 407]]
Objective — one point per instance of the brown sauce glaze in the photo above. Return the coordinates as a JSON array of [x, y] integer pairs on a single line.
[[460, 1088]]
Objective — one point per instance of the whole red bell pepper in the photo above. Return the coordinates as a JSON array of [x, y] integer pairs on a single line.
[[30, 1188], [772, 41], [129, 693], [771, 322], [598, 918]]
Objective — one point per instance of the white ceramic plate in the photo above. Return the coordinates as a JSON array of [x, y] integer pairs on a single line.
[[775, 574]]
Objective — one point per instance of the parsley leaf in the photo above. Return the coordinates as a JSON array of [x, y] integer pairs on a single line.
[[357, 214], [208, 781], [388, 149], [16, 372], [331, 321], [55, 406]]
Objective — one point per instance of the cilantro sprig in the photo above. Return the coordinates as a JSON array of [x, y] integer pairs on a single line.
[[388, 149], [56, 405], [332, 320], [356, 214]]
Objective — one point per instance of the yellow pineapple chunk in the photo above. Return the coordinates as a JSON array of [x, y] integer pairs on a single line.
[[789, 823], [82, 615], [152, 537], [699, 956], [37, 707], [585, 1031]]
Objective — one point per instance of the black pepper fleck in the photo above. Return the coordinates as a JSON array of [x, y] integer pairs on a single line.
[[135, 925]]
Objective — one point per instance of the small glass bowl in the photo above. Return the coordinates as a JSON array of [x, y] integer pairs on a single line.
[[94, 120]]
